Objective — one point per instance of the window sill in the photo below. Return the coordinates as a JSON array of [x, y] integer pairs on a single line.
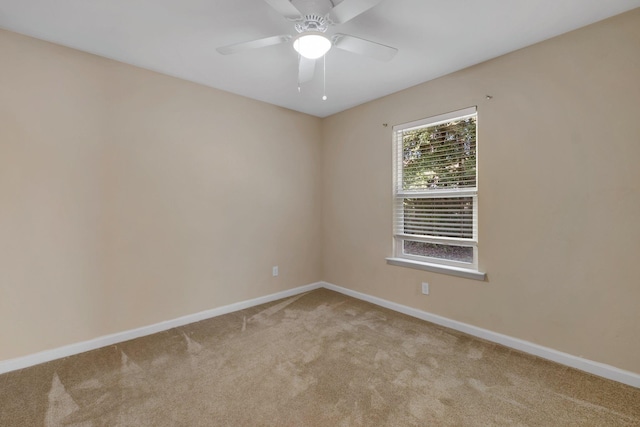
[[438, 268]]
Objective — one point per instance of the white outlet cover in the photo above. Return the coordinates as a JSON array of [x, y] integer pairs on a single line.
[[425, 288]]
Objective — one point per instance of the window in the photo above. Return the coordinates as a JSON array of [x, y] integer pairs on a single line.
[[435, 191]]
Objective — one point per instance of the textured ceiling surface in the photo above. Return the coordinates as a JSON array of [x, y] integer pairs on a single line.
[[180, 37]]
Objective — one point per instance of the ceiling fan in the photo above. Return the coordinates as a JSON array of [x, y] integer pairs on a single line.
[[311, 42]]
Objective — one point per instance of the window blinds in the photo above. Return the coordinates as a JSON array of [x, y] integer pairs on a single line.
[[435, 180]]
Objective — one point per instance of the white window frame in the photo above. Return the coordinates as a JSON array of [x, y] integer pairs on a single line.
[[446, 266]]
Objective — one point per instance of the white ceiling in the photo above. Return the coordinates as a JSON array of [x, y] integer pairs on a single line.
[[180, 37]]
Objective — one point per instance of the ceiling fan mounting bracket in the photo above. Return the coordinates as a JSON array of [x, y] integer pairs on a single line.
[[312, 23]]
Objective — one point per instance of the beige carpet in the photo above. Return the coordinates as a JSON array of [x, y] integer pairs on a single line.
[[316, 359]]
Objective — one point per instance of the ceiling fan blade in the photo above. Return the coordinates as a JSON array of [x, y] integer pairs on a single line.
[[253, 44], [364, 47], [286, 9], [306, 69], [349, 9]]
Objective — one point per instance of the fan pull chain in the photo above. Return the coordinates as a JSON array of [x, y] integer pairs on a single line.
[[324, 77], [299, 59]]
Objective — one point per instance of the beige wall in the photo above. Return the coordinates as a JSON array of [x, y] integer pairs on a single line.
[[559, 194], [128, 197]]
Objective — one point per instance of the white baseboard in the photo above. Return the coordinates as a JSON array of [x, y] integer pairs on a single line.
[[596, 368], [81, 347], [586, 365]]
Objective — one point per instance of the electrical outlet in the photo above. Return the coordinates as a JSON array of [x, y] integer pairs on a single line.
[[274, 271], [425, 288]]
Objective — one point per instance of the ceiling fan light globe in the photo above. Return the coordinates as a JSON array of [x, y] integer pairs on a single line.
[[312, 45]]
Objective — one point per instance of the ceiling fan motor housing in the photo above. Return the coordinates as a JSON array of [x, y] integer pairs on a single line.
[[312, 23]]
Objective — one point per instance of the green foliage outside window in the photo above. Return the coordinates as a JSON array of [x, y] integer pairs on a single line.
[[441, 156]]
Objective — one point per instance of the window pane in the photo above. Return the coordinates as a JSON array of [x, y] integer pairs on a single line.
[[440, 156], [452, 253], [441, 217]]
